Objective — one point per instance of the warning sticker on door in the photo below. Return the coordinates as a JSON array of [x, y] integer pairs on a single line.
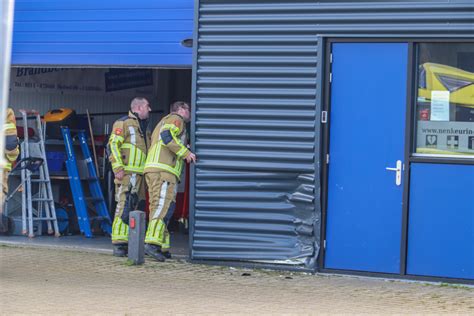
[[432, 141], [445, 138], [452, 142]]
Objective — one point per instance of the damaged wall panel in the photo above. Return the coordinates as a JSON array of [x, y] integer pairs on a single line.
[[255, 135]]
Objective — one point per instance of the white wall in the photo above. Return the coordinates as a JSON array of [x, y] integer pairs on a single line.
[[95, 102]]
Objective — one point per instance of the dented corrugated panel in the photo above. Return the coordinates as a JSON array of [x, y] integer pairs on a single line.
[[257, 96], [255, 136]]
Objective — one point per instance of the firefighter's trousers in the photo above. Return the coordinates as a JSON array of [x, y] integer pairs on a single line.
[[131, 183], [162, 189]]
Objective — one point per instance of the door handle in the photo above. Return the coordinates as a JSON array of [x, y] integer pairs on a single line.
[[398, 172]]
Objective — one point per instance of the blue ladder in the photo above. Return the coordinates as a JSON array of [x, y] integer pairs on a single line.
[[96, 198]]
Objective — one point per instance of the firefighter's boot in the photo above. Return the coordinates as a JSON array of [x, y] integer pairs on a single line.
[[154, 251], [120, 250]]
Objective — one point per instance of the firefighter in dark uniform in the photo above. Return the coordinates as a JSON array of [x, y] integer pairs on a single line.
[[128, 147], [163, 169]]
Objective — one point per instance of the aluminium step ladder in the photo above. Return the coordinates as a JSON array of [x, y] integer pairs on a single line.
[[36, 196], [96, 198]]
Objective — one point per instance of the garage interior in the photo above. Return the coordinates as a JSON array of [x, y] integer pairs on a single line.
[[96, 97]]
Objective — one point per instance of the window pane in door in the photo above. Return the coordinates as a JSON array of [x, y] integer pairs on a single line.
[[445, 100]]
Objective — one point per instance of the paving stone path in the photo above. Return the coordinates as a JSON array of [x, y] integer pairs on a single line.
[[47, 281]]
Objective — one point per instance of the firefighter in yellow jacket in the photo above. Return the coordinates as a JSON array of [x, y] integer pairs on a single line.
[[11, 154], [11, 148], [163, 168], [128, 147]]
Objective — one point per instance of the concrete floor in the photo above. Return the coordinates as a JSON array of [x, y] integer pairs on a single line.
[[100, 244]]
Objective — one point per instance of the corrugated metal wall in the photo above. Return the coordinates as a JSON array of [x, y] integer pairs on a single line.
[[255, 135], [257, 93], [102, 32]]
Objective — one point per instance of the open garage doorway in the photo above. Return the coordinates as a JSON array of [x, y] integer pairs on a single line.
[[91, 99]]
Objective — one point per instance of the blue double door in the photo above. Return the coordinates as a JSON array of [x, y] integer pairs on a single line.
[[366, 157]]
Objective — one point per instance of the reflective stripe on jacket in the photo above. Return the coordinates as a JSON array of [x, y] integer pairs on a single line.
[[127, 145], [11, 140], [168, 146]]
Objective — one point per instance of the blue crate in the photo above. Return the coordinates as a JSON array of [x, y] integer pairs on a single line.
[[55, 160]]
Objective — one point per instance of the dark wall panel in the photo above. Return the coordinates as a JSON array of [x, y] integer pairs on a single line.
[[255, 135]]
